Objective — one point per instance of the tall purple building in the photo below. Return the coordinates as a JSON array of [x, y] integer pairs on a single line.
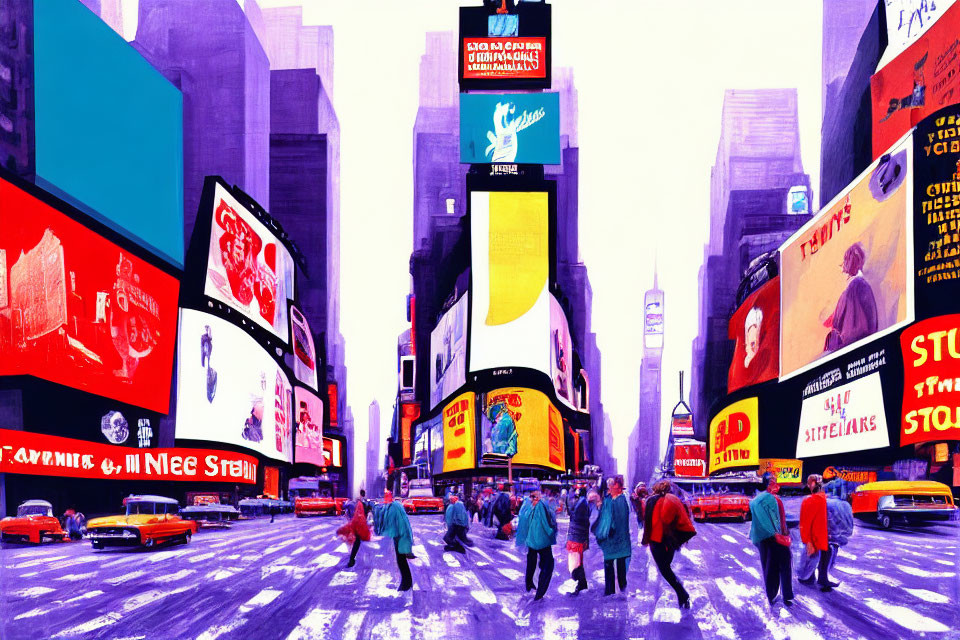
[[644, 443]]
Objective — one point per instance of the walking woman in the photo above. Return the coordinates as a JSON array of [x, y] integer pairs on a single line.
[[355, 531], [578, 538], [612, 530], [667, 526], [391, 521], [537, 532]]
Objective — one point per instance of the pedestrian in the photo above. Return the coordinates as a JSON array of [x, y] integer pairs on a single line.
[[667, 527], [71, 525], [637, 498], [813, 534], [578, 540], [839, 527], [458, 523], [501, 511], [273, 511], [612, 531], [363, 500], [768, 531], [538, 533], [355, 531], [391, 521]]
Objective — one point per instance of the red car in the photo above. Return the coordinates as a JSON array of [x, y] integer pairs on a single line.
[[323, 505], [421, 498], [34, 522], [719, 506]]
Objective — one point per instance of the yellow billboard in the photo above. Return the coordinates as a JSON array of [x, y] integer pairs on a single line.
[[787, 471], [537, 422], [733, 436], [460, 434]]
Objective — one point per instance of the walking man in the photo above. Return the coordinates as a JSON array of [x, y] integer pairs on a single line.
[[458, 522], [768, 531], [839, 527], [612, 530], [578, 539], [666, 529], [813, 534], [538, 533], [391, 521]]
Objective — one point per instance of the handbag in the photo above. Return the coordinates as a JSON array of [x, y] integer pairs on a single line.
[[782, 539]]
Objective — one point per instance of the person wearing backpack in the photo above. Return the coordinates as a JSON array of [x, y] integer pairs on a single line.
[[667, 527]]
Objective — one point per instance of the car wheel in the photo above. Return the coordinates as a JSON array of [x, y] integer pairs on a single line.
[[885, 522], [149, 542], [97, 545], [186, 537]]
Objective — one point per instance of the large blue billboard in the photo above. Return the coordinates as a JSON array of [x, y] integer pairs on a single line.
[[522, 128], [109, 128]]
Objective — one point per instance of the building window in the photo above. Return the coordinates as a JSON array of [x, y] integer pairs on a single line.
[[451, 206]]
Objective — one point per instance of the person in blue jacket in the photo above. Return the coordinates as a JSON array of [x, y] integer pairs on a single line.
[[612, 530], [391, 521], [458, 522], [537, 531]]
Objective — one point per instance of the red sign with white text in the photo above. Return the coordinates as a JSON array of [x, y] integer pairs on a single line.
[[81, 311], [931, 388], [504, 58], [690, 460], [36, 454]]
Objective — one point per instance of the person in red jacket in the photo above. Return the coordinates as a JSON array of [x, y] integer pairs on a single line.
[[355, 531], [813, 534], [667, 526]]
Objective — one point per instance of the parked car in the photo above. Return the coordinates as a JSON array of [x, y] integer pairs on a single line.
[[420, 499], [716, 506], [34, 523], [318, 506], [903, 502], [148, 521], [212, 515]]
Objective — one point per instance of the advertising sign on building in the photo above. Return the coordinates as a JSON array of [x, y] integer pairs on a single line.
[[332, 452], [690, 459], [846, 276], [755, 330], [460, 433], [304, 357], [787, 471], [308, 415], [532, 417], [248, 269], [907, 21], [681, 425], [561, 355], [505, 51], [653, 319], [734, 436], [519, 128], [448, 348], [35, 454], [846, 418], [493, 58], [931, 381], [83, 312]]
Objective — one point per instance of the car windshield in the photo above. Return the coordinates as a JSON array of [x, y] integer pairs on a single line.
[[134, 508], [421, 492], [34, 510]]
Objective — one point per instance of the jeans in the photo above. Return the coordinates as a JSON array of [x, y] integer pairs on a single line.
[[609, 573], [834, 551], [456, 538], [820, 562], [406, 580], [546, 569], [663, 557], [775, 561]]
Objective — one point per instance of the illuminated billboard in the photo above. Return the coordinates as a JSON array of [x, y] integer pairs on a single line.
[[561, 355], [460, 434], [907, 22], [304, 355], [230, 390], [755, 330], [510, 312], [846, 276], [333, 448], [448, 350], [734, 436], [81, 311], [308, 415], [689, 459], [786, 471], [510, 128], [534, 419], [846, 418], [653, 319], [435, 426], [248, 269], [505, 51], [931, 388], [923, 78]]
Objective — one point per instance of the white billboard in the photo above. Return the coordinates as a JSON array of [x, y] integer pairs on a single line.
[[907, 21], [844, 419], [230, 390], [448, 351], [561, 355], [653, 319]]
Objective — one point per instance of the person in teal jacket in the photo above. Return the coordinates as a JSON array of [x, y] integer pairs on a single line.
[[391, 521], [537, 532], [458, 522], [768, 519], [612, 531]]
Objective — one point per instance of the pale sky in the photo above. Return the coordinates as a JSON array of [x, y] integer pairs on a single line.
[[650, 77]]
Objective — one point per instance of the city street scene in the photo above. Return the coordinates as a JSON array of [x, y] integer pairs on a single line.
[[654, 319]]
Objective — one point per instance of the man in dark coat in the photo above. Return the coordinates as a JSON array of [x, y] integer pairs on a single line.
[[578, 538], [503, 514]]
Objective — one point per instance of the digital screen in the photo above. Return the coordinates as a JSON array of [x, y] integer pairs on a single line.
[[308, 415], [653, 320], [332, 452], [931, 392], [448, 350], [846, 418], [248, 269], [690, 460], [494, 58], [93, 95], [734, 433], [561, 355], [460, 434], [304, 356], [844, 276], [755, 330], [435, 426], [537, 423], [510, 312], [510, 128], [786, 471], [333, 397], [230, 390], [81, 311], [505, 50]]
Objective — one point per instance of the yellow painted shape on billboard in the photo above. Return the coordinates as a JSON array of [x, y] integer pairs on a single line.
[[733, 436], [460, 434], [539, 426], [788, 471], [519, 253]]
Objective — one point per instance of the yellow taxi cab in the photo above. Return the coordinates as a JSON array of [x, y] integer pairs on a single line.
[[149, 521], [892, 502]]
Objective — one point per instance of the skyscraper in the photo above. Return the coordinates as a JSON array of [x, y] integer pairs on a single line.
[[374, 460], [644, 453]]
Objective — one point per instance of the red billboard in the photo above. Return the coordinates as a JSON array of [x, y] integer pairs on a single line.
[[80, 310], [755, 330], [332, 397], [485, 58], [682, 424], [36, 454], [931, 389], [332, 452], [690, 460]]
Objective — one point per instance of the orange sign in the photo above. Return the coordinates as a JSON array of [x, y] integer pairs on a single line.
[[271, 482], [859, 476], [460, 433]]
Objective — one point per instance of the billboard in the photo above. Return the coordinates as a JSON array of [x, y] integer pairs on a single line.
[[304, 356], [907, 21], [308, 414], [519, 128], [787, 471], [561, 355], [537, 423], [332, 452], [93, 93], [734, 436], [682, 425], [510, 313], [923, 78], [333, 397], [755, 330], [35, 454], [653, 319], [448, 348], [81, 311], [844, 275], [248, 269], [846, 418], [690, 459], [931, 388], [499, 58], [230, 390], [505, 51], [460, 434]]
